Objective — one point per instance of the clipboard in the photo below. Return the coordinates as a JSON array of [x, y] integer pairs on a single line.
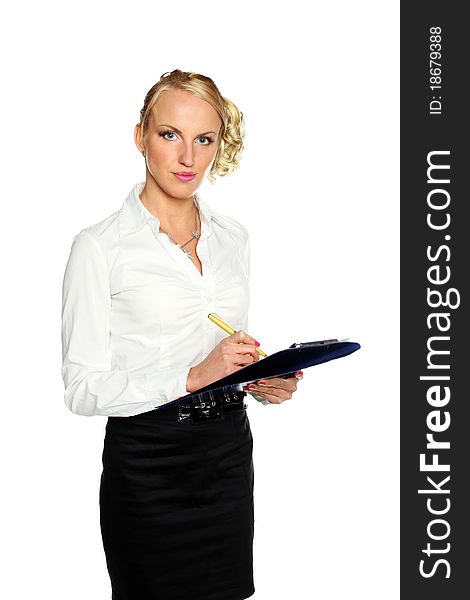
[[283, 363]]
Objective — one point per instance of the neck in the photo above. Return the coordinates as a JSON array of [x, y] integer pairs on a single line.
[[175, 214]]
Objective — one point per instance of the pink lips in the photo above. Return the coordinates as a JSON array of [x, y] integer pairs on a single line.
[[185, 176]]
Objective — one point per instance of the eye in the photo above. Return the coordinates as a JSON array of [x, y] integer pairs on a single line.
[[164, 133], [209, 140]]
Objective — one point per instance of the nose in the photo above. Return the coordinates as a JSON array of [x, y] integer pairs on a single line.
[[187, 156]]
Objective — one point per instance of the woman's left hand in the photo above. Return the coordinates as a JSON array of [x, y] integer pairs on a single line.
[[275, 389]]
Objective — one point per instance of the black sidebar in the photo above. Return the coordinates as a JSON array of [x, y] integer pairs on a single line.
[[435, 330]]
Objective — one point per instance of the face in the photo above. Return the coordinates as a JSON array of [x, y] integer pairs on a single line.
[[182, 137]]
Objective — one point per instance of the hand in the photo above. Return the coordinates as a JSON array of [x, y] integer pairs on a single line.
[[230, 355], [274, 389]]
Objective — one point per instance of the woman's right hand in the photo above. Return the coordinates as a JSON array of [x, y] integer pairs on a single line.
[[230, 355]]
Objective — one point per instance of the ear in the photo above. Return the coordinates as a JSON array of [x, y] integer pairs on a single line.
[[138, 138]]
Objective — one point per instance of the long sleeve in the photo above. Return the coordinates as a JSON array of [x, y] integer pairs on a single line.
[[247, 270], [246, 265], [92, 386]]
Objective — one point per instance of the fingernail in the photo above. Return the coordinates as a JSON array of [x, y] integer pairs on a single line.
[[256, 342], [252, 387], [261, 382]]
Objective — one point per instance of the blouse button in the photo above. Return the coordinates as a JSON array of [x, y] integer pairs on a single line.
[[209, 298]]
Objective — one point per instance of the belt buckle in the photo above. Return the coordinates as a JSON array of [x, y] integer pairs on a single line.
[[204, 407]]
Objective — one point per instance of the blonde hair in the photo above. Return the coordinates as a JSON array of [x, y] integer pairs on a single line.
[[232, 133]]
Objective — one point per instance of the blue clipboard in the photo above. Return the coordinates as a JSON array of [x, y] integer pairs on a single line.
[[281, 364]]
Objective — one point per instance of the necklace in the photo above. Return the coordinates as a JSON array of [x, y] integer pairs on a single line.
[[194, 235]]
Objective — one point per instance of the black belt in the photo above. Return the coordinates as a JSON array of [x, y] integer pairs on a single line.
[[210, 406]]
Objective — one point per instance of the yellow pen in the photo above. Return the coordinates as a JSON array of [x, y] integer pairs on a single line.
[[230, 330]]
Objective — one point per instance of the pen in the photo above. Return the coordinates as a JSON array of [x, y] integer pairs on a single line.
[[218, 321]]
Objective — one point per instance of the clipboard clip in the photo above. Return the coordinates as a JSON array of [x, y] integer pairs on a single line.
[[311, 344]]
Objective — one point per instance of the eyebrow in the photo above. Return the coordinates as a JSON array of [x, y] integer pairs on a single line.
[[178, 131]]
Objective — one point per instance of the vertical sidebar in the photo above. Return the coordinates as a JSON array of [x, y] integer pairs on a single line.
[[435, 341]]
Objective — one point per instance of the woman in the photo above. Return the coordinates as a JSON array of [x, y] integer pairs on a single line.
[[176, 496]]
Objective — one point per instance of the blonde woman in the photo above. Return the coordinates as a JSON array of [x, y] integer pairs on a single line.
[[176, 495]]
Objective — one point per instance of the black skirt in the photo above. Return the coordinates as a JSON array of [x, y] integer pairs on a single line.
[[176, 507]]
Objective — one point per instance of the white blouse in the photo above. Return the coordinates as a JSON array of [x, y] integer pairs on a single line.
[[134, 307]]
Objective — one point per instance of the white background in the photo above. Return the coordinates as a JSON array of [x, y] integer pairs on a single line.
[[318, 191]]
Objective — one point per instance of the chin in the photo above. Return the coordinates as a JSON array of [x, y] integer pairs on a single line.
[[182, 192]]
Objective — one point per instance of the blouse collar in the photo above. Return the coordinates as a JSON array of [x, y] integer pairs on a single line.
[[134, 215]]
